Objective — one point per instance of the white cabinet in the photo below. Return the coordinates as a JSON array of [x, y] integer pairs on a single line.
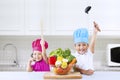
[[22, 17], [35, 12], [107, 14], [68, 15], [60, 17], [11, 17]]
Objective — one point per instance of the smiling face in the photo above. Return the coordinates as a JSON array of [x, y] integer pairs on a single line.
[[37, 55], [81, 48]]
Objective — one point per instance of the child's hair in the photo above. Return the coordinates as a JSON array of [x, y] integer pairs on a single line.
[[37, 46], [81, 35]]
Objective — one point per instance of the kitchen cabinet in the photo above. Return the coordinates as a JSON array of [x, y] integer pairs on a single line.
[[11, 17], [23, 17], [35, 12], [107, 14], [68, 15], [59, 17]]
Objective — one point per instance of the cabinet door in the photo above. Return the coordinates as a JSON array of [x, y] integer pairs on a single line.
[[107, 14], [11, 17], [68, 15], [35, 12]]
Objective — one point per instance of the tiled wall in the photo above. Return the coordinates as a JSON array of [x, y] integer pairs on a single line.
[[24, 50]]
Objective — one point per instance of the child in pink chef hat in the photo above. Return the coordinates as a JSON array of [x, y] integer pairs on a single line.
[[39, 60]]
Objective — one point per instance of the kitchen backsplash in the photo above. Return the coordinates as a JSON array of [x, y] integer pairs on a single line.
[[24, 50]]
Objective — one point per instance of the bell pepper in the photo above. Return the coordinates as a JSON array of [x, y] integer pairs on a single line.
[[59, 58], [64, 65], [52, 60]]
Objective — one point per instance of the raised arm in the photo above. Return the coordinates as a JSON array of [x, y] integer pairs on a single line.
[[93, 38], [42, 42]]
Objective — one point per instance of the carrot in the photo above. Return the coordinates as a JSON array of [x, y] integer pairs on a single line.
[[73, 61]]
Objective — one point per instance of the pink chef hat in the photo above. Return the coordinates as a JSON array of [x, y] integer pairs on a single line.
[[37, 46]]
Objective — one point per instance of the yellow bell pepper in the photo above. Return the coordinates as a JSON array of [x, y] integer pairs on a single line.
[[59, 58], [64, 65]]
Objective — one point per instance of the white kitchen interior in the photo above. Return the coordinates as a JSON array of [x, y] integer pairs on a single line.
[[24, 50], [20, 25]]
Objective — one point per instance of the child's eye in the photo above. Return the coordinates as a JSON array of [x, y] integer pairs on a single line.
[[77, 44]]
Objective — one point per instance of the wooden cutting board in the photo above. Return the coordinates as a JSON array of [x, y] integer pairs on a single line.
[[52, 76]]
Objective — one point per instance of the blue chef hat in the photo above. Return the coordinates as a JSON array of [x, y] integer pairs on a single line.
[[80, 35]]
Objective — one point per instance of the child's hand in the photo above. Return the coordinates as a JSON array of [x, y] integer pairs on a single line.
[[32, 61], [42, 42], [96, 26], [89, 72]]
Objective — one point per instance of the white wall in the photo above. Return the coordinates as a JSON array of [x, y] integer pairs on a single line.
[[23, 44]]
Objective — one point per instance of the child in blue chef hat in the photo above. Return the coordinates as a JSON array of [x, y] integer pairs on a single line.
[[84, 50]]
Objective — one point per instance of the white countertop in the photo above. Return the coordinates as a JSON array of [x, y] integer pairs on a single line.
[[98, 75], [103, 75]]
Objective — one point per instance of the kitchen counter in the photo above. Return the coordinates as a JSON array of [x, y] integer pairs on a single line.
[[103, 75], [106, 68], [98, 75]]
